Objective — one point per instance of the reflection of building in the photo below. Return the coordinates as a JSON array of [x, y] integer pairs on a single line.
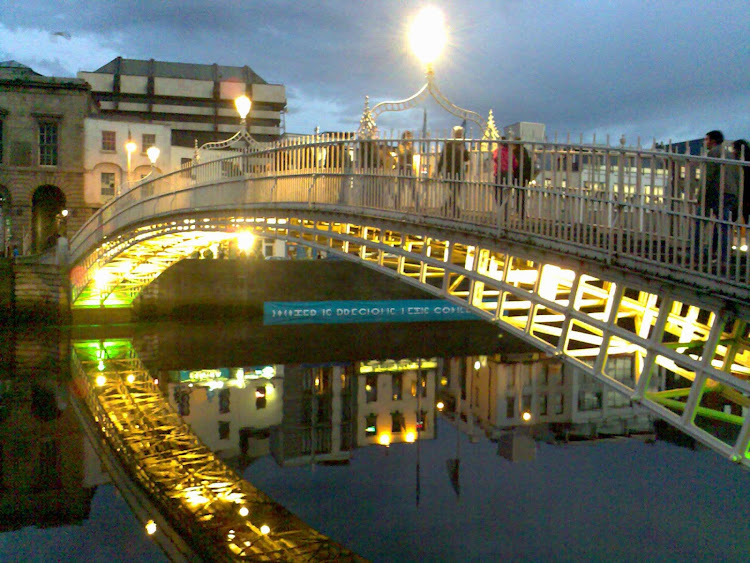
[[396, 401], [319, 411], [41, 157], [48, 471], [230, 409], [496, 396]]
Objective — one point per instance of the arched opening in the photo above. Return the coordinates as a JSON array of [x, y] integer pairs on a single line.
[[47, 217], [5, 222]]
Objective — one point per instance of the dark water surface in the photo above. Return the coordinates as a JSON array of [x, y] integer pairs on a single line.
[[596, 500]]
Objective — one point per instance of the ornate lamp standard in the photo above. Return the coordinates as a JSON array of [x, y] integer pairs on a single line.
[[243, 105], [130, 147], [427, 39]]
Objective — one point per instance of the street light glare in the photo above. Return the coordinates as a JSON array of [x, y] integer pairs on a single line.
[[428, 36], [243, 104], [153, 154]]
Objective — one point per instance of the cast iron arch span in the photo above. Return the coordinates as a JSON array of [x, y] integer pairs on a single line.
[[583, 313]]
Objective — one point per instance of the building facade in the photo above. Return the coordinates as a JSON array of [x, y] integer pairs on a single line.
[[196, 100], [41, 157]]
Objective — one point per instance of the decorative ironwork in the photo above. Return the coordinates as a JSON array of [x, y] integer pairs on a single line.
[[367, 123]]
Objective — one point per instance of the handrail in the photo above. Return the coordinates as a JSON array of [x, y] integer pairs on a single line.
[[639, 198]]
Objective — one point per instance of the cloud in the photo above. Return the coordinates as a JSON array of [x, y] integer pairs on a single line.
[[52, 55], [652, 69]]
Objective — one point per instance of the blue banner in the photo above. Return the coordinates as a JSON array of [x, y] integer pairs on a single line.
[[331, 312]]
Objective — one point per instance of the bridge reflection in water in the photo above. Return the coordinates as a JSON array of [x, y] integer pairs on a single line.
[[202, 504]]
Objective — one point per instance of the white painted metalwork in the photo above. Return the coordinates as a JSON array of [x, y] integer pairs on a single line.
[[601, 251]]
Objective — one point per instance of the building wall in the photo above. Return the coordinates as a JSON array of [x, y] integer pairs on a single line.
[[196, 100], [98, 161], [24, 102]]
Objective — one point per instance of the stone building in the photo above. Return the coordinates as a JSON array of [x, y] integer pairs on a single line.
[[41, 157]]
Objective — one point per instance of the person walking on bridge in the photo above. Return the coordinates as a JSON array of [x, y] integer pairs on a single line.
[[451, 166], [720, 197]]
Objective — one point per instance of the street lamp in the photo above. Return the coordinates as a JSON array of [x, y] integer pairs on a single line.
[[427, 39], [243, 105], [130, 147], [153, 155]]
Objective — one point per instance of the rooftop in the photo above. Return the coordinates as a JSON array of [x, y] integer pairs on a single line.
[[135, 67]]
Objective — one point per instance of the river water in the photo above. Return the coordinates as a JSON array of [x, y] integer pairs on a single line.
[[537, 493]]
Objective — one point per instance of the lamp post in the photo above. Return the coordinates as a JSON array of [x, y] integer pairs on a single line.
[[243, 105], [427, 38], [130, 147]]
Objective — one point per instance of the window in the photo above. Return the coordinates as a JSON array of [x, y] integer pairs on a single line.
[[223, 430], [224, 401], [109, 141], [397, 385], [397, 422], [510, 407], [108, 183], [589, 401], [371, 425], [422, 420], [48, 143], [371, 388], [542, 404], [148, 141], [557, 403]]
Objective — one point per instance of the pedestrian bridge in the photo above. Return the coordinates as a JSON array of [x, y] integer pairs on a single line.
[[601, 252]]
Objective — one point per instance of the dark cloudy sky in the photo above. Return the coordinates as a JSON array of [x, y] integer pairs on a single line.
[[661, 70]]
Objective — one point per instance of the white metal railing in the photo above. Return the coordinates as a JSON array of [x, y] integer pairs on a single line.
[[633, 206]]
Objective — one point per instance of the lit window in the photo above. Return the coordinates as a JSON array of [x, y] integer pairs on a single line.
[[371, 388], [108, 183], [371, 425], [48, 143], [397, 386], [109, 141], [148, 141]]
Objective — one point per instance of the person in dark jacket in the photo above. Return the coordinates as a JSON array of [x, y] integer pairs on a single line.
[[451, 166]]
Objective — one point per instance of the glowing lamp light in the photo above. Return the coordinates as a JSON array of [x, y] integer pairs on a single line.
[[100, 380], [130, 146], [64, 212], [243, 105], [477, 365], [153, 154], [440, 406], [150, 527], [245, 241], [526, 416], [384, 440], [130, 379], [410, 437], [244, 511], [427, 35], [265, 529]]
